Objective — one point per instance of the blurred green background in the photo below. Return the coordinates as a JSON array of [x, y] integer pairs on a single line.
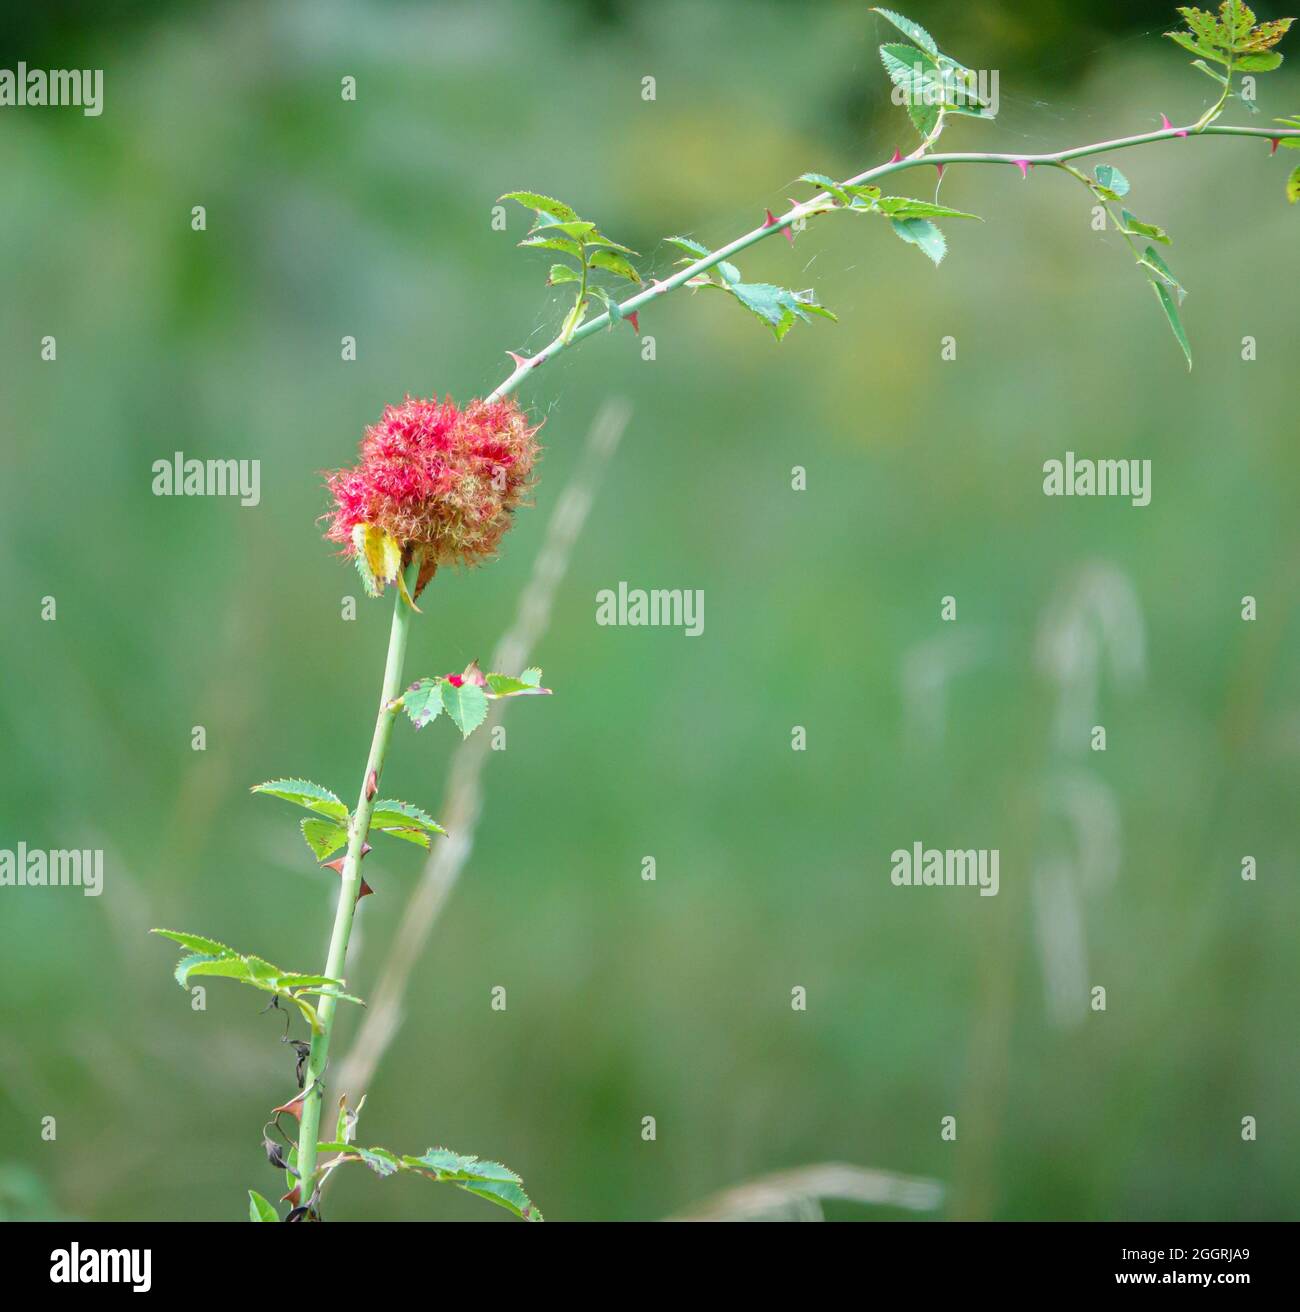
[[669, 999]]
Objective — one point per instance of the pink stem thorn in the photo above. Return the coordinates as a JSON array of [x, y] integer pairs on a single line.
[[896, 157], [632, 319], [292, 1108], [770, 222], [939, 170], [1023, 166], [519, 360], [1277, 141], [1167, 125]]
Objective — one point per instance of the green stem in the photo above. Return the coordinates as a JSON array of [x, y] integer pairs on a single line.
[[350, 884], [1216, 109], [707, 262]]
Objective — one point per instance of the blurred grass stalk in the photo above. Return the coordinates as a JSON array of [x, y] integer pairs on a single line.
[[796, 1195]]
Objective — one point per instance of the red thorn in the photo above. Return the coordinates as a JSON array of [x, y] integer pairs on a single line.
[[896, 157], [1277, 141], [1023, 166], [939, 170], [632, 319], [658, 286], [1166, 124], [293, 1108], [518, 359], [770, 222], [294, 1196], [372, 784], [340, 861]]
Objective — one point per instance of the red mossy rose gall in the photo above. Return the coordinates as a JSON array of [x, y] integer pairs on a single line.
[[442, 480]]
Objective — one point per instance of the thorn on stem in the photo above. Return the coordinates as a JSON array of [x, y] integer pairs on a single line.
[[292, 1108]]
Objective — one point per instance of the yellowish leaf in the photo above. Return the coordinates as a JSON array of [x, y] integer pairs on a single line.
[[382, 551]]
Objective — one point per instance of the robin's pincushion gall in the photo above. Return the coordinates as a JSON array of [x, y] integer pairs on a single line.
[[442, 481]]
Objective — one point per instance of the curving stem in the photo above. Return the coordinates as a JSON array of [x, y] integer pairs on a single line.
[[805, 208]]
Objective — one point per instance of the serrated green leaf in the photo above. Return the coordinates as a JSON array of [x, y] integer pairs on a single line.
[[1293, 185], [1151, 260], [1261, 63], [327, 991], [904, 207], [380, 1160], [1201, 66], [219, 960], [565, 244], [578, 229], [562, 273], [391, 813], [612, 307], [302, 792], [922, 234], [778, 307], [1167, 304], [422, 701], [259, 1209], [532, 676], [406, 821], [613, 262], [913, 31], [186, 964], [1195, 47], [466, 705], [913, 70], [924, 116], [1112, 179], [1134, 227], [543, 205], [489, 1180], [689, 245], [827, 184], [291, 980], [324, 837], [227, 967], [510, 1196], [368, 581], [599, 239], [504, 685], [195, 942], [1233, 38]]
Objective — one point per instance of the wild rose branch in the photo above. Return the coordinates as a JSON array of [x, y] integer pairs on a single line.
[[439, 485]]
